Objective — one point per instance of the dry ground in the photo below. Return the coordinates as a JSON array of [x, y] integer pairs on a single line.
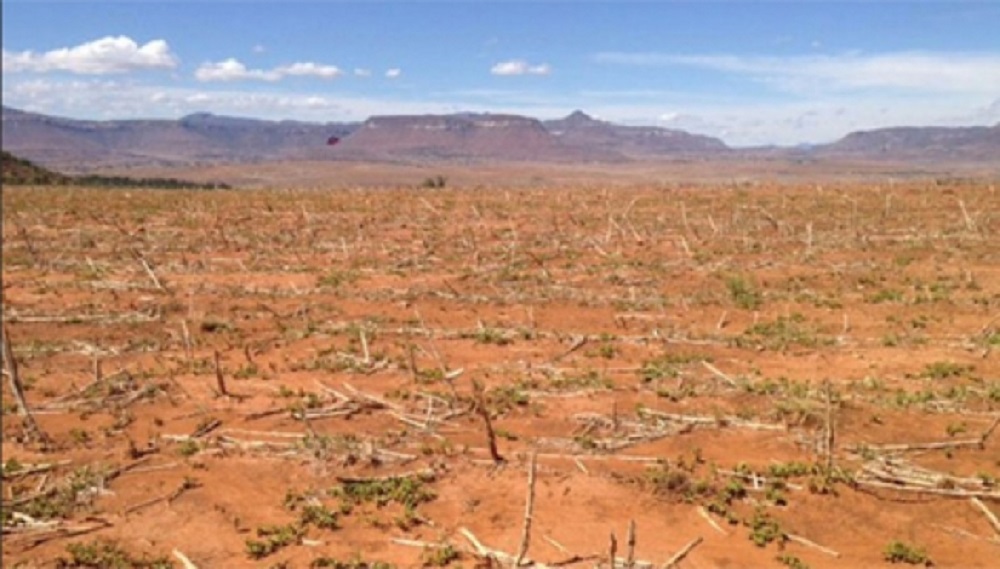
[[763, 375], [494, 176]]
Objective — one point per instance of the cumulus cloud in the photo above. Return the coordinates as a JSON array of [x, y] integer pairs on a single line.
[[309, 69], [103, 56], [393, 73], [970, 73], [520, 67], [233, 70]]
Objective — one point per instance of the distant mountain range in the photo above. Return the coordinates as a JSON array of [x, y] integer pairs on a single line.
[[85, 146], [463, 137], [81, 145], [947, 144], [582, 131]]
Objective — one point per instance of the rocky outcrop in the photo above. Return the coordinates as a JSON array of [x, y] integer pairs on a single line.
[[464, 137], [582, 131]]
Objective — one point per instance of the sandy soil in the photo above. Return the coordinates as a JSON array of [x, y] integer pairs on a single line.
[[495, 176], [776, 375]]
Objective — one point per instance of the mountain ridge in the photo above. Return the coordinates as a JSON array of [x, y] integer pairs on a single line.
[[580, 129], [73, 145]]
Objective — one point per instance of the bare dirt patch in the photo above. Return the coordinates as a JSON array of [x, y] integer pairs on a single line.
[[752, 374]]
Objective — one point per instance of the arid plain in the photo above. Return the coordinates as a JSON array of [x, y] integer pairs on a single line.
[[311, 370]]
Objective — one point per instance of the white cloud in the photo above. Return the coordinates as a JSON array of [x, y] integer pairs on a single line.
[[101, 99], [107, 55], [259, 48], [358, 72], [969, 73], [519, 67], [309, 69], [195, 98], [393, 73], [233, 70]]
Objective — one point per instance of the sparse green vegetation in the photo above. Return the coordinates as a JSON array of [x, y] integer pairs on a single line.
[[901, 552], [407, 491], [337, 278], [782, 333], [439, 556], [73, 493], [764, 529], [273, 538], [358, 563], [743, 294], [590, 314], [791, 561], [103, 554], [945, 370], [189, 447]]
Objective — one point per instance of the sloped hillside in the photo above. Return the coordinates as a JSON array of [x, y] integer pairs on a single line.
[[972, 143], [18, 171]]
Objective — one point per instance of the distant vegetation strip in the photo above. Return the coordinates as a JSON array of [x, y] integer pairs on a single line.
[[20, 172], [158, 183]]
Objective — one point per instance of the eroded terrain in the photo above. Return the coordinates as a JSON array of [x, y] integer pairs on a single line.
[[800, 375]]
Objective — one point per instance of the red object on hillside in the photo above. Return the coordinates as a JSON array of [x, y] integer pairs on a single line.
[[332, 140]]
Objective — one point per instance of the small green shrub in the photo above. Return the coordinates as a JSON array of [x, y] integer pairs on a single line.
[[434, 182], [274, 538], [899, 552], [791, 561], [438, 556], [743, 294], [764, 529]]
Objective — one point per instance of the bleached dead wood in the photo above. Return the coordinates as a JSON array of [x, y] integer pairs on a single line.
[[979, 442], [185, 562], [125, 317], [168, 498], [722, 421], [373, 398], [487, 552], [951, 493], [425, 474], [708, 518], [149, 271], [828, 426], [528, 511], [17, 388], [35, 537], [577, 344], [809, 543], [990, 516], [29, 469], [684, 551], [718, 373]]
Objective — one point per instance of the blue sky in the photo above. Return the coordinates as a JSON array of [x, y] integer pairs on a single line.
[[748, 72]]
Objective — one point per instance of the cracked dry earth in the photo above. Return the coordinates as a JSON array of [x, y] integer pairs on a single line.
[[749, 375]]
